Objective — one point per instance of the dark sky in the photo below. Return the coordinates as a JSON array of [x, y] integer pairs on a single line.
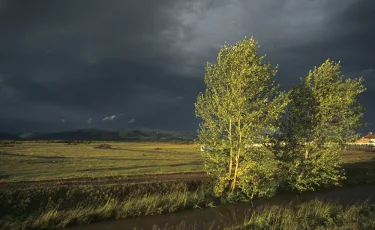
[[119, 64]]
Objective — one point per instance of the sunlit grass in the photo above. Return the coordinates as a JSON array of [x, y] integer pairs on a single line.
[[50, 161], [55, 161], [54, 207], [60, 206], [43, 161], [315, 214]]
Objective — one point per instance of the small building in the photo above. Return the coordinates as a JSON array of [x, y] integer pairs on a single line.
[[204, 148], [366, 139]]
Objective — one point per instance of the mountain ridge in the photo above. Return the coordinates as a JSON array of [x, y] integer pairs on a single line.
[[103, 135]]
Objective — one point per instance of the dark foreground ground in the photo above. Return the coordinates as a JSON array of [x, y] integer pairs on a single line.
[[182, 177]]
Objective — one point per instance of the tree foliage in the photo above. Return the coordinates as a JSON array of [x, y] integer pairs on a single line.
[[240, 107], [308, 127], [323, 115]]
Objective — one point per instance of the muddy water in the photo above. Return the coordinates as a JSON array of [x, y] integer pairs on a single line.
[[231, 214]]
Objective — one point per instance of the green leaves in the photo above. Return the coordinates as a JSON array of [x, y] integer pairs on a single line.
[[324, 115], [240, 107], [308, 126]]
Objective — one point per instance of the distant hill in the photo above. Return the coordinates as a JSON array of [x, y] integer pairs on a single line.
[[82, 134], [106, 135], [27, 135], [8, 136], [154, 135]]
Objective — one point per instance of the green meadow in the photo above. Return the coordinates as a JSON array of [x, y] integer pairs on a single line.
[[30, 161], [35, 193], [35, 161]]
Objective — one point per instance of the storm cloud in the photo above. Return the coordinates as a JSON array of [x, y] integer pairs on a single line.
[[145, 60]]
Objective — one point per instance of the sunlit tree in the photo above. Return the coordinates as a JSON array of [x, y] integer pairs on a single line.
[[324, 114], [240, 107]]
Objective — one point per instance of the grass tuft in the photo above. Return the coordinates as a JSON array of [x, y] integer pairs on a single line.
[[101, 203], [315, 214]]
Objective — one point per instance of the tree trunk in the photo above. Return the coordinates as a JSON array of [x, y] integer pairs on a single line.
[[233, 186], [231, 150], [307, 154]]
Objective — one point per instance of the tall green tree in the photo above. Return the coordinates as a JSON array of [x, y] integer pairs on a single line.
[[240, 107], [324, 114]]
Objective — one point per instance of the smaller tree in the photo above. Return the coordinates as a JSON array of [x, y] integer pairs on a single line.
[[323, 115]]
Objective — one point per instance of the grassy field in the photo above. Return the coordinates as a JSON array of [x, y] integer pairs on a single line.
[[33, 203], [55, 161]]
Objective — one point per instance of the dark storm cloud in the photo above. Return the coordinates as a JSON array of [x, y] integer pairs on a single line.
[[143, 61], [348, 36]]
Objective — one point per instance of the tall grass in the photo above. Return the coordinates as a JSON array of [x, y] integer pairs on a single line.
[[100, 204], [315, 214]]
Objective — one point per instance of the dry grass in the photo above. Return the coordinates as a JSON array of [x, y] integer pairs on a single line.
[[55, 161], [63, 206], [314, 214], [51, 208], [47, 161], [358, 156]]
